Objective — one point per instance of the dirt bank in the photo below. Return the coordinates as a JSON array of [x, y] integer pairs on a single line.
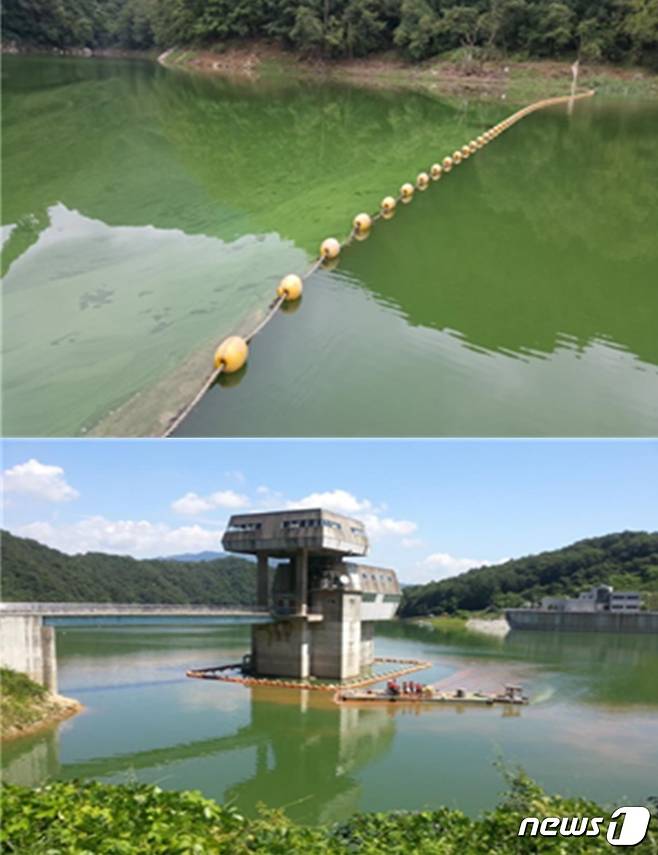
[[52, 709]]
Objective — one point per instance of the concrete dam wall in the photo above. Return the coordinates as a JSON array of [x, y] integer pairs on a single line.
[[544, 620]]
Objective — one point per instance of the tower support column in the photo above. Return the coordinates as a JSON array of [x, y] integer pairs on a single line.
[[301, 581], [263, 581]]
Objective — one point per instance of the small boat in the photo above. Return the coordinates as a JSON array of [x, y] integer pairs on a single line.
[[429, 695]]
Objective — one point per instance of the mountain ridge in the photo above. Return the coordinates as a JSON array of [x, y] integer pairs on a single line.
[[32, 571], [627, 559]]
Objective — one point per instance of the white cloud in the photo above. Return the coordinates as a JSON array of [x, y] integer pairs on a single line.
[[228, 499], [344, 502], [411, 542], [377, 526], [40, 481], [339, 501], [140, 538], [442, 565], [191, 503]]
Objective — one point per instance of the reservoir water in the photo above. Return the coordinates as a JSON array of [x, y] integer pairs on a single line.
[[147, 213], [591, 728]]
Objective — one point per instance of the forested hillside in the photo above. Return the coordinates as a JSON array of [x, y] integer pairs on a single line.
[[33, 572], [610, 30], [628, 560]]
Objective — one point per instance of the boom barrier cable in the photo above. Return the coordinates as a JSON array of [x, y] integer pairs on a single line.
[[231, 354]]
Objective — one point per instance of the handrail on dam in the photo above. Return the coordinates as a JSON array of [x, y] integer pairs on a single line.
[[232, 353], [80, 609]]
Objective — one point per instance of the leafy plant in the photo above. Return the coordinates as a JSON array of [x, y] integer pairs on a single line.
[[76, 817]]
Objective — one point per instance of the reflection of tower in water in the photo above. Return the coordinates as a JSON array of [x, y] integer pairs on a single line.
[[312, 749], [305, 751]]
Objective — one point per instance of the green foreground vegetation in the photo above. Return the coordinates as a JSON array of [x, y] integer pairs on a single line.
[[596, 30], [34, 572], [92, 817], [628, 560]]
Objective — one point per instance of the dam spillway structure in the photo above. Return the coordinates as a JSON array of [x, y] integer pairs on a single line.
[[323, 606]]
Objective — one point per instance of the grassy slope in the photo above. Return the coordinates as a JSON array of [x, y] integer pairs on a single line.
[[24, 704]]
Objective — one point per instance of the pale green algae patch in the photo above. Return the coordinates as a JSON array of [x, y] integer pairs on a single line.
[[148, 213]]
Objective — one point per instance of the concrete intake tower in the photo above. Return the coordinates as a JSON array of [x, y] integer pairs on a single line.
[[324, 607]]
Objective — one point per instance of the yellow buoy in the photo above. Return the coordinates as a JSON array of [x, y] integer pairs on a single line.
[[231, 354], [435, 171], [407, 191], [330, 248], [465, 151], [422, 180], [290, 287], [364, 235], [473, 146], [457, 157], [387, 204], [388, 213], [481, 141], [447, 164], [362, 223]]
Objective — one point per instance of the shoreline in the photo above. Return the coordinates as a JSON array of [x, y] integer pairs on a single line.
[[504, 78], [56, 708], [496, 627]]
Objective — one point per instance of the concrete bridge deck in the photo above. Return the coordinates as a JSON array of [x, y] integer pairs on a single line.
[[111, 614], [27, 630]]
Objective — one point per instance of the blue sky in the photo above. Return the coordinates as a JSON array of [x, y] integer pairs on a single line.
[[432, 508]]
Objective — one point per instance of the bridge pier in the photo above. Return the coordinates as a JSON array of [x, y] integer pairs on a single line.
[[27, 644]]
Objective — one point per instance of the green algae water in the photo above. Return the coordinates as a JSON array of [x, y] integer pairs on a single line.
[[591, 728], [148, 213]]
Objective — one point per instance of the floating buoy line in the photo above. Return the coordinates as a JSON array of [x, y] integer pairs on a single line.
[[232, 353]]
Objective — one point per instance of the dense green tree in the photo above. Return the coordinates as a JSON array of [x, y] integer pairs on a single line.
[[553, 29], [641, 24], [365, 27], [134, 26], [418, 29], [307, 33], [606, 30], [504, 24]]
